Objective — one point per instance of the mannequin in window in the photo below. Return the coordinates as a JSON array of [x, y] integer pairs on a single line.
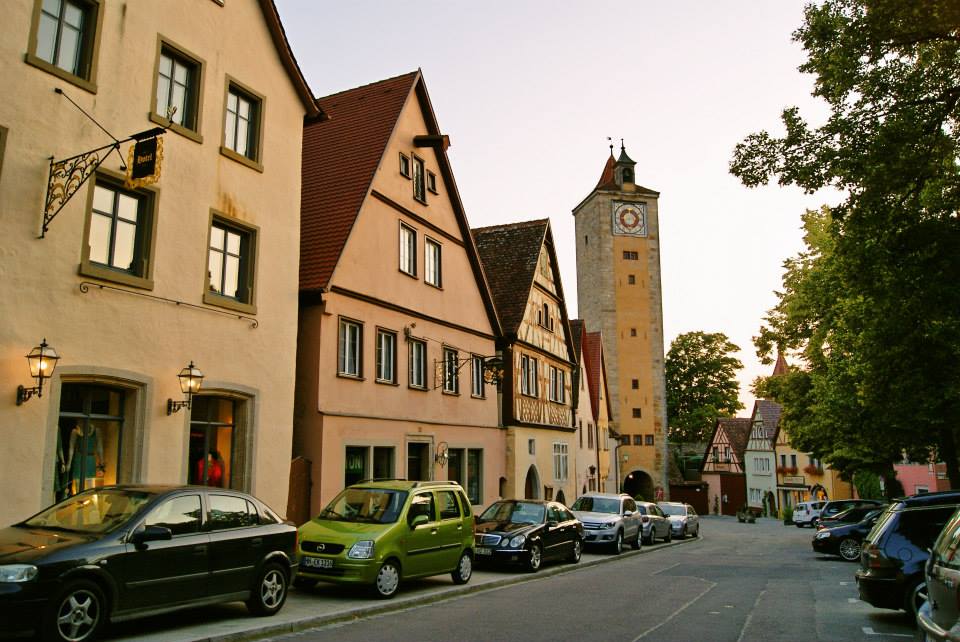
[[84, 457], [214, 465]]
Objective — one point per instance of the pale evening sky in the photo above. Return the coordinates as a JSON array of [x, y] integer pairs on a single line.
[[528, 92]]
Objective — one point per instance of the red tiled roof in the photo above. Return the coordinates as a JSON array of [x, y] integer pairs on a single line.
[[780, 368], [738, 433], [340, 157], [596, 365], [607, 176]]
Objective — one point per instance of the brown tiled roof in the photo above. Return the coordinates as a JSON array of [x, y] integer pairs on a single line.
[[596, 365], [340, 157], [606, 177], [509, 254], [287, 59], [780, 368], [770, 412], [738, 432]]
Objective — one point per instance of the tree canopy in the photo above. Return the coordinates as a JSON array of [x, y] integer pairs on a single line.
[[701, 384], [873, 302]]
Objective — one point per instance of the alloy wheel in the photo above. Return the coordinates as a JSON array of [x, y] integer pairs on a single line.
[[272, 588], [78, 615], [577, 551], [850, 549], [536, 557]]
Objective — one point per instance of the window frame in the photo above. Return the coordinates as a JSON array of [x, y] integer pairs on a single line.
[[561, 461], [3, 146], [90, 49], [429, 243], [405, 166], [148, 197], [419, 180], [195, 100], [410, 364], [247, 276], [631, 255], [344, 322], [648, 440], [529, 379], [432, 182], [451, 371], [477, 383], [392, 380], [411, 250], [254, 161]]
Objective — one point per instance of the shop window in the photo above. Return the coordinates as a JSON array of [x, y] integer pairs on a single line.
[[364, 462], [419, 461], [465, 466], [243, 125], [355, 465], [90, 447], [230, 265], [212, 442], [63, 40], [178, 91]]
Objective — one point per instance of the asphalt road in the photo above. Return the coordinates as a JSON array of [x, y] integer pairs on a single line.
[[738, 583]]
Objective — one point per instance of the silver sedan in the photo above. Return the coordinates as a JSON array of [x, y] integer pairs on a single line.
[[683, 519]]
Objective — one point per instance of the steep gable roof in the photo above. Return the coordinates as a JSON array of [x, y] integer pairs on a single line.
[[287, 59], [780, 367], [737, 430], [596, 366], [577, 329], [770, 412], [606, 178]]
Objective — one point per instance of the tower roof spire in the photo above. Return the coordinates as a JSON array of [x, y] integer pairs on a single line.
[[607, 175]]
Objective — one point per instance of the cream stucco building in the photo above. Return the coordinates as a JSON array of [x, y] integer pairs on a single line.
[[131, 284]]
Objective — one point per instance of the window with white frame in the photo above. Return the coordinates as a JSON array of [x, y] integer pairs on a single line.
[[419, 178], [408, 250], [386, 356], [476, 382], [451, 373], [351, 343], [432, 263], [528, 376], [558, 380], [242, 123], [560, 461], [417, 359]]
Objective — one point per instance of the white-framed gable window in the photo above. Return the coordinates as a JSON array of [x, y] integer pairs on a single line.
[[417, 360], [560, 461], [528, 376], [349, 362], [477, 383], [386, 356], [408, 250], [558, 380], [432, 265]]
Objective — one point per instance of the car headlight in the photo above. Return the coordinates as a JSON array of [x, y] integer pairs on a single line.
[[823, 535], [518, 541], [362, 550], [609, 525], [17, 573]]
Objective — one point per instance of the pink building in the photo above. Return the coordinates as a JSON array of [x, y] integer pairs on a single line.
[[922, 478]]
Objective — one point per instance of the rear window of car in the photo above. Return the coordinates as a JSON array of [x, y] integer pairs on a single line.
[[921, 526], [641, 509]]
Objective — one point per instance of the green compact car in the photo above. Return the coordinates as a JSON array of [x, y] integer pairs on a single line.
[[378, 533]]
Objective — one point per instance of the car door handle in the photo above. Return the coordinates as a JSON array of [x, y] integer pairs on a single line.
[[433, 531], [200, 549], [256, 542]]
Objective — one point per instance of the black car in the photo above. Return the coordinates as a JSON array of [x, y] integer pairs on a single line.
[[837, 506], [120, 552], [527, 532], [895, 551], [849, 516], [844, 539]]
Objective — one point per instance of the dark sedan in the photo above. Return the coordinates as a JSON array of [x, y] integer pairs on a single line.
[[845, 539], [849, 516], [528, 532], [120, 552]]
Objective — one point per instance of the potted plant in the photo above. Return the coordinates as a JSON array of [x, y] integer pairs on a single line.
[[787, 515], [746, 514]]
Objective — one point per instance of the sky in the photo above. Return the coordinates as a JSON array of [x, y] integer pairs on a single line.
[[529, 91]]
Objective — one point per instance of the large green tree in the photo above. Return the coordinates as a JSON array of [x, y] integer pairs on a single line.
[[879, 319], [701, 384]]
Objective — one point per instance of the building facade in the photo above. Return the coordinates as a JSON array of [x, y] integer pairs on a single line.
[[618, 285], [539, 359], [723, 467], [132, 278], [397, 326], [760, 459]]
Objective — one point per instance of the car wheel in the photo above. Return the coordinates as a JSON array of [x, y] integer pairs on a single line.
[[683, 533], [636, 543], [669, 537], [536, 558], [577, 551], [648, 539], [464, 570], [850, 549], [696, 531], [915, 597], [388, 580], [270, 591], [76, 614], [617, 546]]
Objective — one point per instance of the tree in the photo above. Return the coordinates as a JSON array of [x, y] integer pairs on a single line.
[[701, 384], [881, 340]]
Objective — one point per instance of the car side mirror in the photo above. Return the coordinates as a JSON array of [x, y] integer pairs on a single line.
[[627, 513], [552, 524], [150, 534], [418, 520]]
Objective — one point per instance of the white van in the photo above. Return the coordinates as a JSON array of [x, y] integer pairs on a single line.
[[805, 512]]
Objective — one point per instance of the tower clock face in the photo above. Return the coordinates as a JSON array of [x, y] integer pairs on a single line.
[[629, 219]]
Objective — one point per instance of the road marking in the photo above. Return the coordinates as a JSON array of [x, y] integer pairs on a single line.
[[845, 583], [676, 613], [665, 569], [728, 606], [869, 631], [746, 623], [713, 612]]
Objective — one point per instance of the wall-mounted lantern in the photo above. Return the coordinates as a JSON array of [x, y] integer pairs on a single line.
[[190, 380], [42, 359]]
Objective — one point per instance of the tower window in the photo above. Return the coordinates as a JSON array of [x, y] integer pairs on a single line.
[[633, 332], [648, 440], [631, 256], [586, 240], [635, 384], [631, 279], [636, 413]]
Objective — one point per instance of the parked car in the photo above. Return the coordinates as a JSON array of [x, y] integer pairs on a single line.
[[804, 513], [845, 539], [683, 519], [120, 552], [938, 617], [837, 506], [609, 520], [528, 532], [895, 551], [655, 523], [379, 533], [848, 516]]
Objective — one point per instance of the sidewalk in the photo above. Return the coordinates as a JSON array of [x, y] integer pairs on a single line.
[[330, 603]]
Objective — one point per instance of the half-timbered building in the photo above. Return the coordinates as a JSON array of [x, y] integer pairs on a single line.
[[722, 466]]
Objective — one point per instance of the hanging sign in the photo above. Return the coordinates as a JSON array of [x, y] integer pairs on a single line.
[[143, 162]]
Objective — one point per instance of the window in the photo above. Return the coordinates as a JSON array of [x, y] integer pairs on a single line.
[[417, 361], [531, 446], [716, 454], [432, 265], [351, 347], [638, 440], [180, 514], [432, 182], [633, 332], [243, 125], [214, 439], [386, 356], [177, 92], [590, 436], [357, 464], [636, 413], [528, 377], [449, 506], [476, 381], [793, 461], [419, 192], [119, 232], [63, 40], [580, 431], [560, 470], [404, 165], [635, 384], [408, 250], [648, 440], [544, 318], [631, 256], [726, 454], [230, 264], [227, 511], [465, 466], [624, 440], [631, 279], [451, 372], [557, 392], [95, 447]]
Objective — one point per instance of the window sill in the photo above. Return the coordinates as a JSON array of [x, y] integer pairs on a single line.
[[422, 201], [478, 396], [352, 377], [385, 382], [186, 132], [433, 285], [63, 74], [226, 302], [451, 393], [106, 274], [240, 158], [408, 274], [417, 388]]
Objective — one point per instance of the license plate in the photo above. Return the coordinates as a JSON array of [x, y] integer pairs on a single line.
[[316, 562], [484, 551]]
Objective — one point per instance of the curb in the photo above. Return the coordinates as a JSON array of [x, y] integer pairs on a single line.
[[286, 628]]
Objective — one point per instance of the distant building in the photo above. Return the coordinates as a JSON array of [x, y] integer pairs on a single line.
[[723, 467], [592, 413], [922, 478], [760, 463]]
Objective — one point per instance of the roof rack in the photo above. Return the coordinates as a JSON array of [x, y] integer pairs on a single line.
[[379, 479]]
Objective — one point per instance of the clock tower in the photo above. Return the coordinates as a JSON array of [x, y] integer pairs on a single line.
[[618, 289]]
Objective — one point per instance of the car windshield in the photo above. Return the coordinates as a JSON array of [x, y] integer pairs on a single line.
[[597, 505], [370, 505], [92, 511], [514, 512], [673, 509]]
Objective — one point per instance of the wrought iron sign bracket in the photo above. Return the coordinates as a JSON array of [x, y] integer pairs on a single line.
[[492, 369]]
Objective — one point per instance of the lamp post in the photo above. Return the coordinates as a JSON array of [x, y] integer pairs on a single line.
[[42, 359], [190, 380]]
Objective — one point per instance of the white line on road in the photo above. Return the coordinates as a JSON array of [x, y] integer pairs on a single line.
[[665, 569], [746, 623], [869, 631], [676, 613]]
